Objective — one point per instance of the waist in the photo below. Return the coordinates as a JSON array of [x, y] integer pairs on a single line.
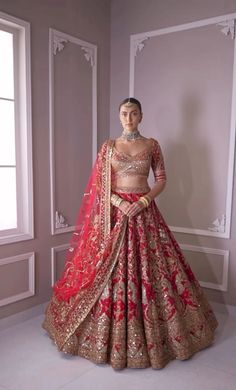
[[129, 182], [131, 189]]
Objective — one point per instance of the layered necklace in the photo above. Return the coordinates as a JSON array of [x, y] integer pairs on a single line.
[[130, 136]]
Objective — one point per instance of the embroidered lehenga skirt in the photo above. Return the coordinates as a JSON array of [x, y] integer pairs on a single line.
[[151, 310]]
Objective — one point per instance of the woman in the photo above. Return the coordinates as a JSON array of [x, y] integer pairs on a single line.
[[127, 296]]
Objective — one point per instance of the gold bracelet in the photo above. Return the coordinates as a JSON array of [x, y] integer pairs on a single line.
[[141, 202], [116, 200], [148, 198], [145, 200], [119, 201], [113, 199]]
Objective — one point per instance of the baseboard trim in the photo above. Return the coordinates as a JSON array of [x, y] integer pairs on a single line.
[[222, 308], [25, 315]]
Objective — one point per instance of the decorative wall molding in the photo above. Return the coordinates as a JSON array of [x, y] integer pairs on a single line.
[[219, 224], [228, 22], [229, 28], [31, 281], [139, 44], [60, 221], [58, 44], [57, 40], [54, 252], [89, 54], [223, 286]]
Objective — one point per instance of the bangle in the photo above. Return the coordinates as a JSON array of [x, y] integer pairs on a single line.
[[148, 198], [145, 200], [119, 201], [116, 200], [140, 201]]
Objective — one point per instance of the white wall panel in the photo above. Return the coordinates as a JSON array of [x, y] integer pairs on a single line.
[[58, 255], [73, 124], [210, 265], [185, 78]]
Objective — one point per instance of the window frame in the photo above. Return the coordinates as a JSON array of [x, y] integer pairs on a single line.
[[23, 130]]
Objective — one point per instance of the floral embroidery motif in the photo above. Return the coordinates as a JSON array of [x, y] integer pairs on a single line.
[[144, 306]]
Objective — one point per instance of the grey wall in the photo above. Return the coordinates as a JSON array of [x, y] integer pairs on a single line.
[[87, 20], [137, 16]]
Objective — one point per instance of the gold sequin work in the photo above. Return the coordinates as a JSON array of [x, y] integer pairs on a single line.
[[144, 306], [124, 165]]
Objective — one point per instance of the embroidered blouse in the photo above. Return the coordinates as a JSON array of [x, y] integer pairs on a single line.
[[124, 165]]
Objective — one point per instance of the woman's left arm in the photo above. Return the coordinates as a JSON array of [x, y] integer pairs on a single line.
[[158, 167], [156, 189]]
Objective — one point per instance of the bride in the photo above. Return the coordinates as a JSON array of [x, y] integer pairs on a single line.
[[127, 296]]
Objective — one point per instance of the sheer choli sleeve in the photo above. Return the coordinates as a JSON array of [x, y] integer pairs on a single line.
[[157, 163]]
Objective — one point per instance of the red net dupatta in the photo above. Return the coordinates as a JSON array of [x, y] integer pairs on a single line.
[[91, 258], [91, 241]]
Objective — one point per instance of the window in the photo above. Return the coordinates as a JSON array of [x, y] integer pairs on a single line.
[[16, 194], [8, 209]]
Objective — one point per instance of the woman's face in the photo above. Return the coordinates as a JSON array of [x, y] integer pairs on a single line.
[[130, 117]]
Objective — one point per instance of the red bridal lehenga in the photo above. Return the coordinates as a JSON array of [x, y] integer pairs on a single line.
[[127, 296]]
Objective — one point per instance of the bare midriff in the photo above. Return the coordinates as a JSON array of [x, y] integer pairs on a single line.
[[131, 184]]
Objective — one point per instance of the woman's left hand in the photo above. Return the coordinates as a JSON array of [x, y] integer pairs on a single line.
[[134, 209]]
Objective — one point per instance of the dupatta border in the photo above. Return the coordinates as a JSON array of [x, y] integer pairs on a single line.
[[63, 318], [63, 337], [105, 198]]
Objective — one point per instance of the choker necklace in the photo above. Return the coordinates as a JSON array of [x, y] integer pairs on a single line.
[[131, 136]]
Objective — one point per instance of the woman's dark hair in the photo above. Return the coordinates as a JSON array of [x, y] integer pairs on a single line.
[[133, 101]]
